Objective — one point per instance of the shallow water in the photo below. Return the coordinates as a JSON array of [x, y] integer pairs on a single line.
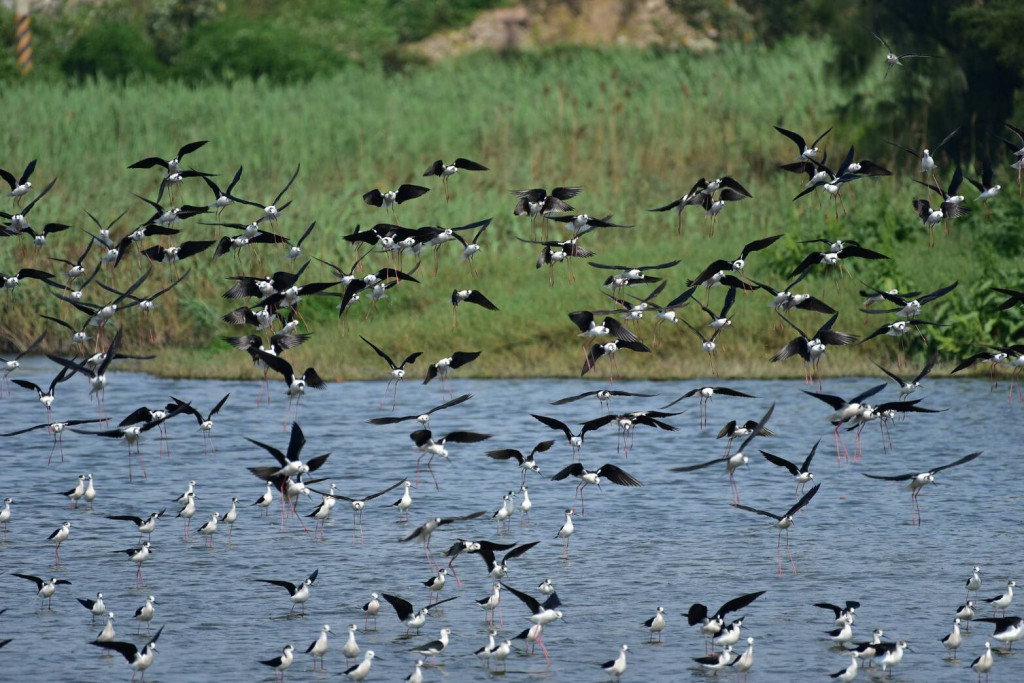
[[675, 541]]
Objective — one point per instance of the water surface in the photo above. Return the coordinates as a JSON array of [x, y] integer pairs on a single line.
[[675, 541]]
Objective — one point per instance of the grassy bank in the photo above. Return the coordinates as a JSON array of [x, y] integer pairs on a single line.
[[635, 128]]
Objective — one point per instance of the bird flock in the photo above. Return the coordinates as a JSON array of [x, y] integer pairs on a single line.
[[95, 314]]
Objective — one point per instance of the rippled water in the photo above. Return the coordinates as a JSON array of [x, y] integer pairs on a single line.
[[675, 541]]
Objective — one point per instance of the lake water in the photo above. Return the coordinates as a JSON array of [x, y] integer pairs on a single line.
[[675, 541]]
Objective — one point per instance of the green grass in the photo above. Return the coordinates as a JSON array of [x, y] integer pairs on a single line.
[[635, 128]]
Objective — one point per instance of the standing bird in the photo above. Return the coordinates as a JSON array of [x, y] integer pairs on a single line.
[[280, 663], [5, 516], [849, 673], [745, 661], [1003, 600], [138, 555], [361, 670], [444, 171], [617, 666], [918, 480], [138, 659], [983, 663], [656, 624], [95, 607], [435, 647], [209, 529], [953, 640], [298, 595], [412, 618], [370, 609], [58, 537], [358, 504], [565, 533], [973, 582], [783, 522], [891, 58], [145, 614], [46, 589], [230, 517], [397, 373], [318, 648]]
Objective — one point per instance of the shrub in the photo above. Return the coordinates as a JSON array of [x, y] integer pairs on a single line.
[[111, 49], [256, 48]]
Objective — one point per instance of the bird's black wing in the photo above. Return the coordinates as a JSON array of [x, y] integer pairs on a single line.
[[961, 461], [617, 475], [781, 462], [804, 500], [528, 600]]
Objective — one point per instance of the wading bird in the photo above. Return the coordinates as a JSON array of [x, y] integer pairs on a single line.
[[783, 522], [918, 480]]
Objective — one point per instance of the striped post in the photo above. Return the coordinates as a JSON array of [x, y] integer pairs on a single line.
[[23, 36]]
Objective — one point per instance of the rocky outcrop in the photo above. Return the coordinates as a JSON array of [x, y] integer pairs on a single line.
[[640, 23]]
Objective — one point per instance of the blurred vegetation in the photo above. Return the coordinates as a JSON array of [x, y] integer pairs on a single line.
[[635, 128], [972, 79], [196, 40]]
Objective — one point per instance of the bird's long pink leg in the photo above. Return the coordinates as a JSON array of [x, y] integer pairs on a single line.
[[142, 463]]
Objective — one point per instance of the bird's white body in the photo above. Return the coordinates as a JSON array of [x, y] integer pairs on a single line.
[[525, 505], [954, 639], [108, 633], [974, 582], [567, 528], [618, 665], [61, 534], [890, 659], [417, 675], [850, 672], [746, 661], [351, 648], [360, 672], [983, 663], [1000, 602], [146, 613]]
